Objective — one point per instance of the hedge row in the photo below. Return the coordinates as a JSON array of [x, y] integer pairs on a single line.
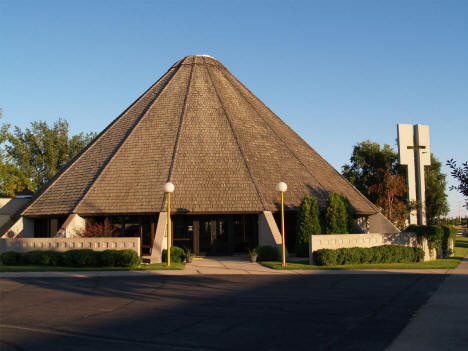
[[438, 236], [73, 258], [377, 254]]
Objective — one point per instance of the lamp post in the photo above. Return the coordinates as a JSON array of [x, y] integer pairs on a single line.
[[169, 188], [282, 187]]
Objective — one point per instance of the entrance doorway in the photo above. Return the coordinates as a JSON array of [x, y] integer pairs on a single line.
[[215, 234]]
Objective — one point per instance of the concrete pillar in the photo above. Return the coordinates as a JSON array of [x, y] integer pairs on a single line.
[[72, 227], [268, 232], [21, 228], [160, 239]]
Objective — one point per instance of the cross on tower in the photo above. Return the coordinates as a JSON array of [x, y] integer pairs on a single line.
[[414, 151]]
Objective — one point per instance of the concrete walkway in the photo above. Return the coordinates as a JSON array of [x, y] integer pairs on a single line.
[[441, 324], [219, 265]]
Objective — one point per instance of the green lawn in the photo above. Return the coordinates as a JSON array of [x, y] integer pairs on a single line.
[[461, 250], [145, 267]]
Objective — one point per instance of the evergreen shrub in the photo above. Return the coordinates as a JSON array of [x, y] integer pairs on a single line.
[[336, 215], [308, 223], [10, 258], [177, 254], [127, 258], [267, 253], [81, 258], [360, 255], [73, 258]]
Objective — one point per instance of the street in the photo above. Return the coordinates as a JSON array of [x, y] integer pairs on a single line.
[[216, 312]]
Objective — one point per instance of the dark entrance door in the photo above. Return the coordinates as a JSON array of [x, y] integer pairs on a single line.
[[213, 235]]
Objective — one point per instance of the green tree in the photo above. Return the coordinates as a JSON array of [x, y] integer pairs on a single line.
[[365, 162], [349, 214], [461, 176], [436, 198], [307, 224], [35, 155], [336, 216]]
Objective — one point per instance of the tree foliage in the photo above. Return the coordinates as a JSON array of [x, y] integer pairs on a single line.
[[365, 162], [308, 223], [436, 198], [389, 194], [461, 176], [35, 155]]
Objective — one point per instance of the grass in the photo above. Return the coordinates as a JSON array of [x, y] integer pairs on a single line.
[[144, 267], [461, 250]]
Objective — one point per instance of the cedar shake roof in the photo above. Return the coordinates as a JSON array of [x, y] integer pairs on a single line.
[[202, 129]]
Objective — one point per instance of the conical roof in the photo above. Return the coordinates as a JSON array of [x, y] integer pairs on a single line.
[[201, 128]]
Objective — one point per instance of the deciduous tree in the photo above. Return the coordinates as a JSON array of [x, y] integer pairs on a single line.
[[461, 175]]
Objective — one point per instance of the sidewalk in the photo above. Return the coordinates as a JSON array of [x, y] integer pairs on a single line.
[[442, 323], [218, 265]]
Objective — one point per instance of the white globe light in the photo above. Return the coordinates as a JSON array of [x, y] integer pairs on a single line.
[[281, 186], [169, 187]]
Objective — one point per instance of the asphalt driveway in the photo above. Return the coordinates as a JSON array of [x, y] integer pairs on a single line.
[[231, 312]]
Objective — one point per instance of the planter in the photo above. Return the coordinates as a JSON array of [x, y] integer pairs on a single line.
[[253, 258], [189, 259]]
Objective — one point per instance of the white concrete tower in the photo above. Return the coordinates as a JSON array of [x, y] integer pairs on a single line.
[[414, 151]]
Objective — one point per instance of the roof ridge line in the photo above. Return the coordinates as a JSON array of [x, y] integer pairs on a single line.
[[271, 128], [123, 141], [362, 195], [236, 137], [67, 166], [179, 129]]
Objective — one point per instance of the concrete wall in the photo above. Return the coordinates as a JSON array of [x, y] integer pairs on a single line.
[[22, 228], [268, 232], [339, 241], [65, 244]]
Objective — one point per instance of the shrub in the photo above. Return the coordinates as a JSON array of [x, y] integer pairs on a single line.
[[127, 258], [326, 257], [267, 253], [349, 214], [307, 224], [449, 234], [37, 257], [177, 254], [10, 258], [377, 254], [108, 258], [336, 216], [433, 233], [81, 258]]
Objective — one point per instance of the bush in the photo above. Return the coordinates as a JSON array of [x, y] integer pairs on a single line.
[[433, 233], [377, 254], [81, 258], [336, 215], [307, 224], [127, 258], [177, 254], [267, 253], [326, 257], [108, 258], [10, 258], [449, 234]]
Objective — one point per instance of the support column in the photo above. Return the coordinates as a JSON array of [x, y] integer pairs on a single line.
[[268, 232], [160, 238]]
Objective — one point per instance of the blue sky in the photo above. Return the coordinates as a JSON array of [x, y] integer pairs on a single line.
[[338, 72]]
